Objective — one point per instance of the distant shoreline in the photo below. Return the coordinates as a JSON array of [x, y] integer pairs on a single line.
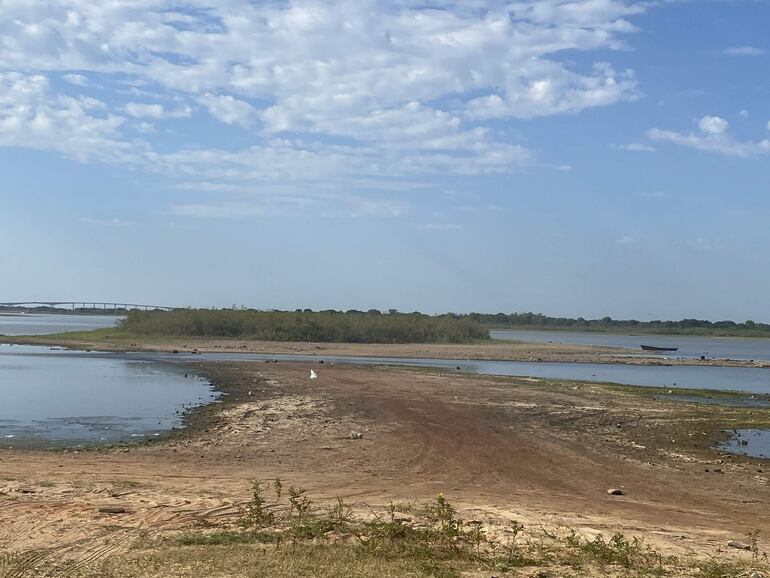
[[491, 350], [634, 332]]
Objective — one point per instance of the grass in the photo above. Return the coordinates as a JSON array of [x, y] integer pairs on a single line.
[[283, 533], [269, 562]]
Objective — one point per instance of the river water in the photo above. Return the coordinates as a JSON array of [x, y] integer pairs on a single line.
[[52, 399], [34, 324], [689, 345]]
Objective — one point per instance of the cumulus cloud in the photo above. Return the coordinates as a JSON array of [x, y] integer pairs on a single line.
[[156, 111], [550, 89], [712, 125], [229, 110], [32, 117], [401, 90], [141, 110], [712, 137]]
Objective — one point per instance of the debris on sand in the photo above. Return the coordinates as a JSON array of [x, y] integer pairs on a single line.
[[738, 545], [313, 374], [356, 435], [616, 492], [112, 510]]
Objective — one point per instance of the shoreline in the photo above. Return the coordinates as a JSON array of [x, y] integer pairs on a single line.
[[496, 350], [622, 331]]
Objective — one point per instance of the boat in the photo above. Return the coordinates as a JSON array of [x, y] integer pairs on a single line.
[[653, 348]]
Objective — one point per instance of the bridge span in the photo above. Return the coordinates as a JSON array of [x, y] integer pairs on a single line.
[[85, 305]]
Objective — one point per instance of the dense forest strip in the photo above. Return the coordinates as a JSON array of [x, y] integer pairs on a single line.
[[324, 326], [539, 321]]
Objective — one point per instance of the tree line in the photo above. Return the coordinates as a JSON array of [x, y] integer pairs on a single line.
[[687, 326], [306, 325]]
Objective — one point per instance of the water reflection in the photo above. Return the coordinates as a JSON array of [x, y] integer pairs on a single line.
[[65, 399], [35, 324]]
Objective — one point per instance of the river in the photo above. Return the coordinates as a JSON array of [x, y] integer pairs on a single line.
[[44, 324], [50, 400], [690, 346]]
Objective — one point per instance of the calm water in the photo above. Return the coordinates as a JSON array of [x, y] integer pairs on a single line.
[[689, 346], [749, 442], [33, 324], [741, 379], [50, 398]]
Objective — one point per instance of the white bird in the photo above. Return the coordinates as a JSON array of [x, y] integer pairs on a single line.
[[313, 374]]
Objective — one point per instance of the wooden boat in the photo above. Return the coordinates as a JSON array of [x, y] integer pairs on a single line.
[[658, 349]]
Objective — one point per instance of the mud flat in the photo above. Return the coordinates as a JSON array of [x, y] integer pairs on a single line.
[[492, 350], [543, 453]]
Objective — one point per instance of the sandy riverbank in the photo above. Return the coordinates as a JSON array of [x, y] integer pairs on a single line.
[[543, 453], [492, 350]]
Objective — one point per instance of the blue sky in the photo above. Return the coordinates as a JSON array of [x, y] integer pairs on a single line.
[[583, 157]]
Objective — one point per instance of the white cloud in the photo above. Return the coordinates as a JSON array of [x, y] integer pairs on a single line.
[[626, 240], [156, 111], [635, 147], [229, 110], [141, 110], [32, 117], [744, 114], [547, 89], [77, 79], [712, 125], [713, 137], [407, 86], [146, 128], [744, 51]]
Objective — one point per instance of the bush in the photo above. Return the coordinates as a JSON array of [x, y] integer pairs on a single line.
[[325, 326]]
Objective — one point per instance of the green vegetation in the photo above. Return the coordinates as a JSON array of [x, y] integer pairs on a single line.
[[323, 326], [609, 325], [289, 536]]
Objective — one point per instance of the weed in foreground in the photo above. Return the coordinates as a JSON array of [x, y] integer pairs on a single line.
[[438, 542], [256, 514]]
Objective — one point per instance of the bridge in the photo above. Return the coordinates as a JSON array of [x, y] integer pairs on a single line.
[[89, 305]]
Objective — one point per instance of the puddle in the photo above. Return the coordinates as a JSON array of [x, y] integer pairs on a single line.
[[749, 442]]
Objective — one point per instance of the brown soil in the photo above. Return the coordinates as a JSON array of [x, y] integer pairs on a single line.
[[500, 448], [493, 350]]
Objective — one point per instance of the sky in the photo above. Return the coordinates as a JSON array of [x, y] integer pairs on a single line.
[[570, 157]]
